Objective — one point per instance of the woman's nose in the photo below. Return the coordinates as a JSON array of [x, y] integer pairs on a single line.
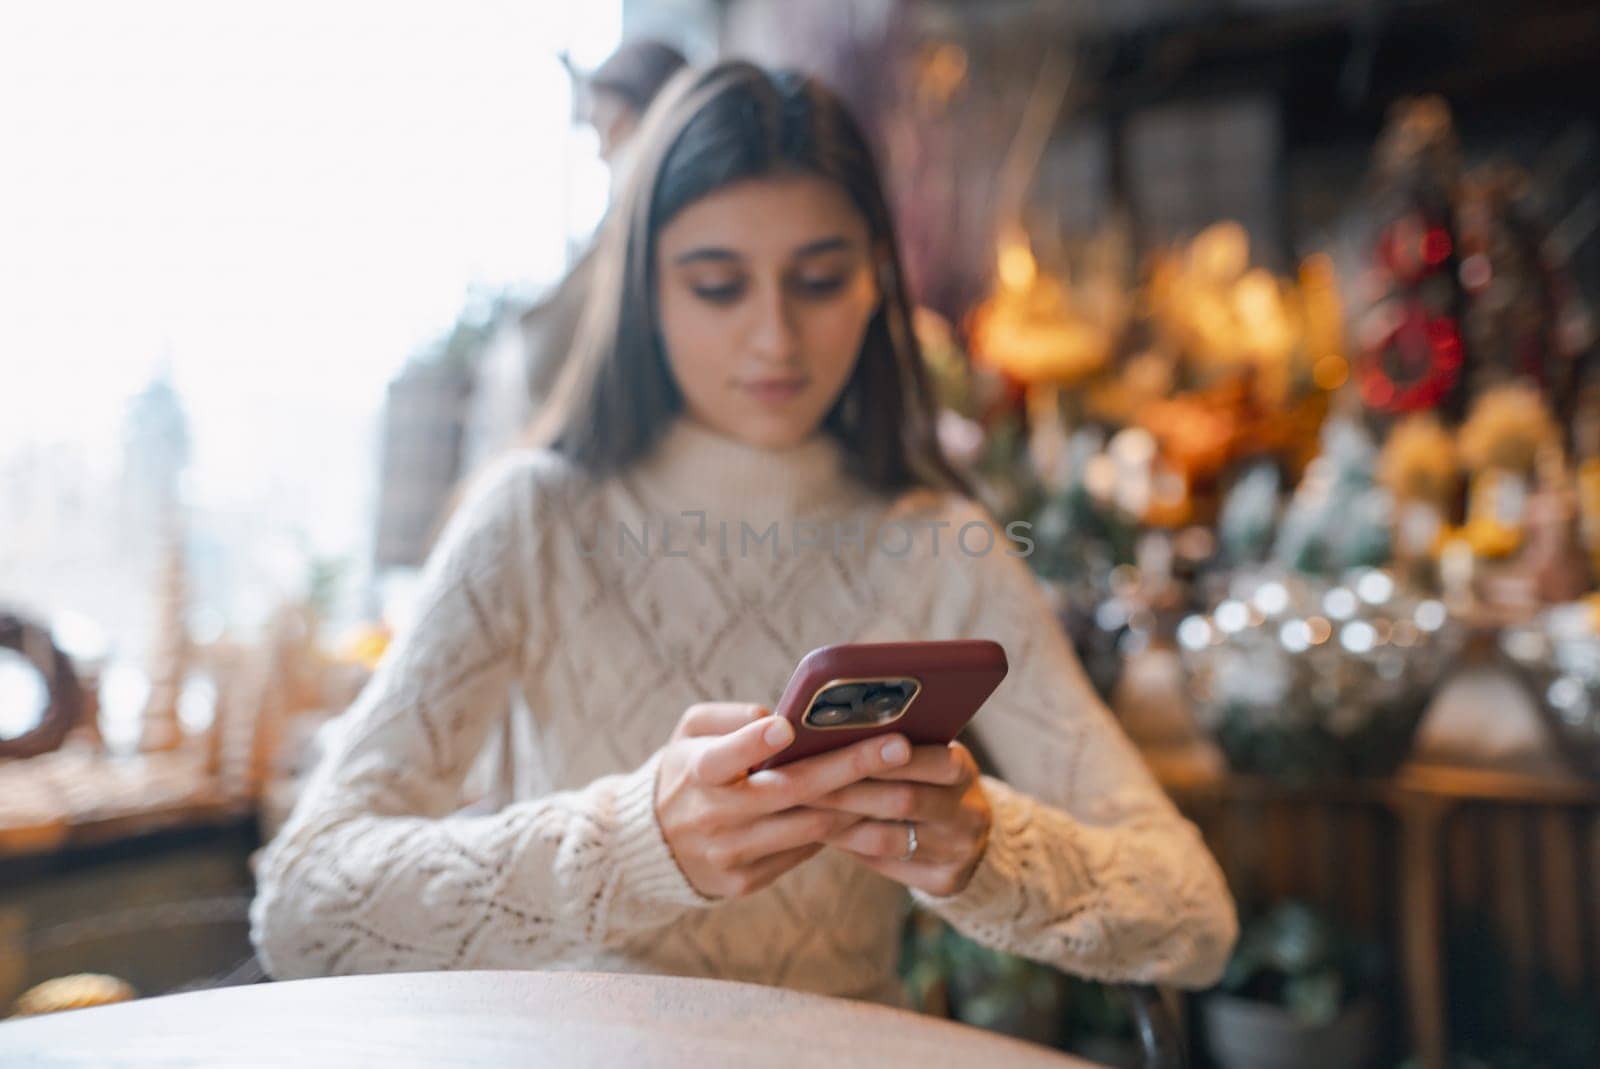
[[773, 335]]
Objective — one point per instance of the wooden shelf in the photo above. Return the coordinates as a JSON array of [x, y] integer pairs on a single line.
[[1413, 782], [1414, 812], [1486, 785], [80, 797]]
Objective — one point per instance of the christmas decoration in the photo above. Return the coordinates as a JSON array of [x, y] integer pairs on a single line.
[[1411, 350], [1223, 315], [1522, 320], [1418, 464], [1418, 470], [1499, 444], [1035, 329], [1338, 518], [1302, 679], [1468, 291], [1557, 655]]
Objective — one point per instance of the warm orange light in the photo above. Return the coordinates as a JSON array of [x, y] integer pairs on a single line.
[[1018, 268], [366, 645], [1030, 328], [941, 73], [1331, 372], [1220, 253], [1316, 271]]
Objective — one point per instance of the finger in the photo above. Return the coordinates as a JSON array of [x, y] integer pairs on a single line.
[[775, 789], [724, 759], [777, 834], [948, 766], [932, 878], [937, 878], [884, 799], [888, 841], [717, 718], [755, 877]]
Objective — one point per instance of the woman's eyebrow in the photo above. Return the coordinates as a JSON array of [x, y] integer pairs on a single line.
[[712, 253], [716, 254], [832, 244]]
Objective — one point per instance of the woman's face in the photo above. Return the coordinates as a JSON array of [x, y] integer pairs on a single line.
[[765, 288]]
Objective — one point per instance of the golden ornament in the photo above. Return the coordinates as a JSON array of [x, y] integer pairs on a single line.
[[75, 992]]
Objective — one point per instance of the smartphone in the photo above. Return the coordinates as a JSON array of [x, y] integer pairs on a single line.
[[926, 691]]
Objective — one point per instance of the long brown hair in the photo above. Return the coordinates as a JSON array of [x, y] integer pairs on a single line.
[[733, 122]]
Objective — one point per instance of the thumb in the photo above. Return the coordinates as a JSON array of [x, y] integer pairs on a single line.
[[725, 759]]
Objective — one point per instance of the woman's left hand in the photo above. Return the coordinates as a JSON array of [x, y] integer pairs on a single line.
[[939, 793]]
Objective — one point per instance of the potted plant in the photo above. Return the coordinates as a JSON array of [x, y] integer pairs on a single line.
[[1297, 993], [948, 975]]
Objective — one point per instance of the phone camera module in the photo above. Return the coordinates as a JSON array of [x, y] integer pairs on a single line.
[[861, 704]]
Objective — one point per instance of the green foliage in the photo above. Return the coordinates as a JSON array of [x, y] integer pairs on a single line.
[[323, 579], [1297, 958], [946, 973], [1249, 516], [1338, 517]]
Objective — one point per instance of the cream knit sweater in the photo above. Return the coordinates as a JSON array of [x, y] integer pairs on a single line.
[[603, 611]]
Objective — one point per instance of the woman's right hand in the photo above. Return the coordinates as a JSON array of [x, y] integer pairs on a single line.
[[733, 831]]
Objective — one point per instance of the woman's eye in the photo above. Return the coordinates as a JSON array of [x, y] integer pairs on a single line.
[[822, 287], [722, 294]]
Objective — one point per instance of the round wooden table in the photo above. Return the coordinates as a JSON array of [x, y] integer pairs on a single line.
[[509, 1018]]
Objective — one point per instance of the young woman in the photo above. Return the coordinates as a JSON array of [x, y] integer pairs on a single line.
[[740, 466]]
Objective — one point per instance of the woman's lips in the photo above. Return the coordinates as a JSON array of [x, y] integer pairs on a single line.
[[774, 391]]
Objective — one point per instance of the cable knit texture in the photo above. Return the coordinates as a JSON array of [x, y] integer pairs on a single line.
[[560, 630]]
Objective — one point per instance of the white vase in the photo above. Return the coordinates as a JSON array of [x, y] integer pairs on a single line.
[[1247, 1034]]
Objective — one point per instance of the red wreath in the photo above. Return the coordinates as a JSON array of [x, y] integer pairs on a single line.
[[1421, 341]]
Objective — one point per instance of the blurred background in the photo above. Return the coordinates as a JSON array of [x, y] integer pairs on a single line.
[[1275, 318]]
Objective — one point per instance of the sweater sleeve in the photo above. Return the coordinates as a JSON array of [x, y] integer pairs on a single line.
[[1089, 867], [373, 873]]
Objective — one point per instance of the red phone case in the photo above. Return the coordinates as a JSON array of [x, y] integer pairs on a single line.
[[956, 678]]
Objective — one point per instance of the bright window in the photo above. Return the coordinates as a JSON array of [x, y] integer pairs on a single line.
[[274, 202]]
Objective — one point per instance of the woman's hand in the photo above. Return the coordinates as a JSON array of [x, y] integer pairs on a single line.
[[939, 793], [732, 831]]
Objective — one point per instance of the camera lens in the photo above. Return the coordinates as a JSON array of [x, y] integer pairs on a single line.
[[883, 702], [843, 694], [829, 715]]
